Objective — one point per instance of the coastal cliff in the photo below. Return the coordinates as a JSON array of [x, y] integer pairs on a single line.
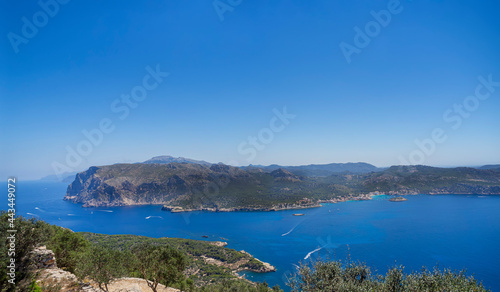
[[183, 186]]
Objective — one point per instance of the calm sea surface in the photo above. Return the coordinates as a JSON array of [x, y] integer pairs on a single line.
[[456, 231]]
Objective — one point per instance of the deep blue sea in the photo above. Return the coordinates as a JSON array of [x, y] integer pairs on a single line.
[[455, 231]]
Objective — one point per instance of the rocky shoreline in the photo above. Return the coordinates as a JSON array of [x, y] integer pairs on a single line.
[[179, 209], [303, 204], [310, 204], [350, 197]]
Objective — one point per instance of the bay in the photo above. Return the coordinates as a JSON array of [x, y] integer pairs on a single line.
[[454, 231]]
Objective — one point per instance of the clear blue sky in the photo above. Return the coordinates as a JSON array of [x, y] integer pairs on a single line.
[[226, 77]]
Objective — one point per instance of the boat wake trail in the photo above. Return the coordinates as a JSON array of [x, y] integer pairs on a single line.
[[285, 234], [154, 217], [33, 214], [109, 211], [36, 208], [311, 252]]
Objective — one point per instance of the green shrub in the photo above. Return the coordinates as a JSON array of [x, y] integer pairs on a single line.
[[357, 277], [34, 287], [67, 245], [100, 264]]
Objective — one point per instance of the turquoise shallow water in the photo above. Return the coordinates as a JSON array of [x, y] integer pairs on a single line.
[[456, 231]]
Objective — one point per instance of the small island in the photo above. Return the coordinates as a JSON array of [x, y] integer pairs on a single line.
[[398, 199]]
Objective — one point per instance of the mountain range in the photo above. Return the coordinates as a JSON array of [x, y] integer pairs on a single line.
[[182, 184], [323, 169], [165, 159]]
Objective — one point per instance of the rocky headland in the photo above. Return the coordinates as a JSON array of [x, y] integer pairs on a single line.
[[188, 186]]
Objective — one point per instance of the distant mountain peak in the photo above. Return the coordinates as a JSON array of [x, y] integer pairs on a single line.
[[283, 174], [165, 159], [322, 169]]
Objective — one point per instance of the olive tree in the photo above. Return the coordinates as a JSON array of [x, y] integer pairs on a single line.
[[100, 265], [159, 264]]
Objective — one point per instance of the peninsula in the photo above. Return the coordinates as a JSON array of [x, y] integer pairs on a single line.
[[184, 186]]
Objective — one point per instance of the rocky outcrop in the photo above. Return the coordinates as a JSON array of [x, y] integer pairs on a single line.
[[50, 278], [219, 243], [63, 281], [42, 264], [42, 258]]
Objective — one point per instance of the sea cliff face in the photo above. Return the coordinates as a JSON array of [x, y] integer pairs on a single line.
[[188, 186], [99, 187]]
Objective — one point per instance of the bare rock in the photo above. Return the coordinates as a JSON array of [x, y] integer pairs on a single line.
[[42, 258]]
